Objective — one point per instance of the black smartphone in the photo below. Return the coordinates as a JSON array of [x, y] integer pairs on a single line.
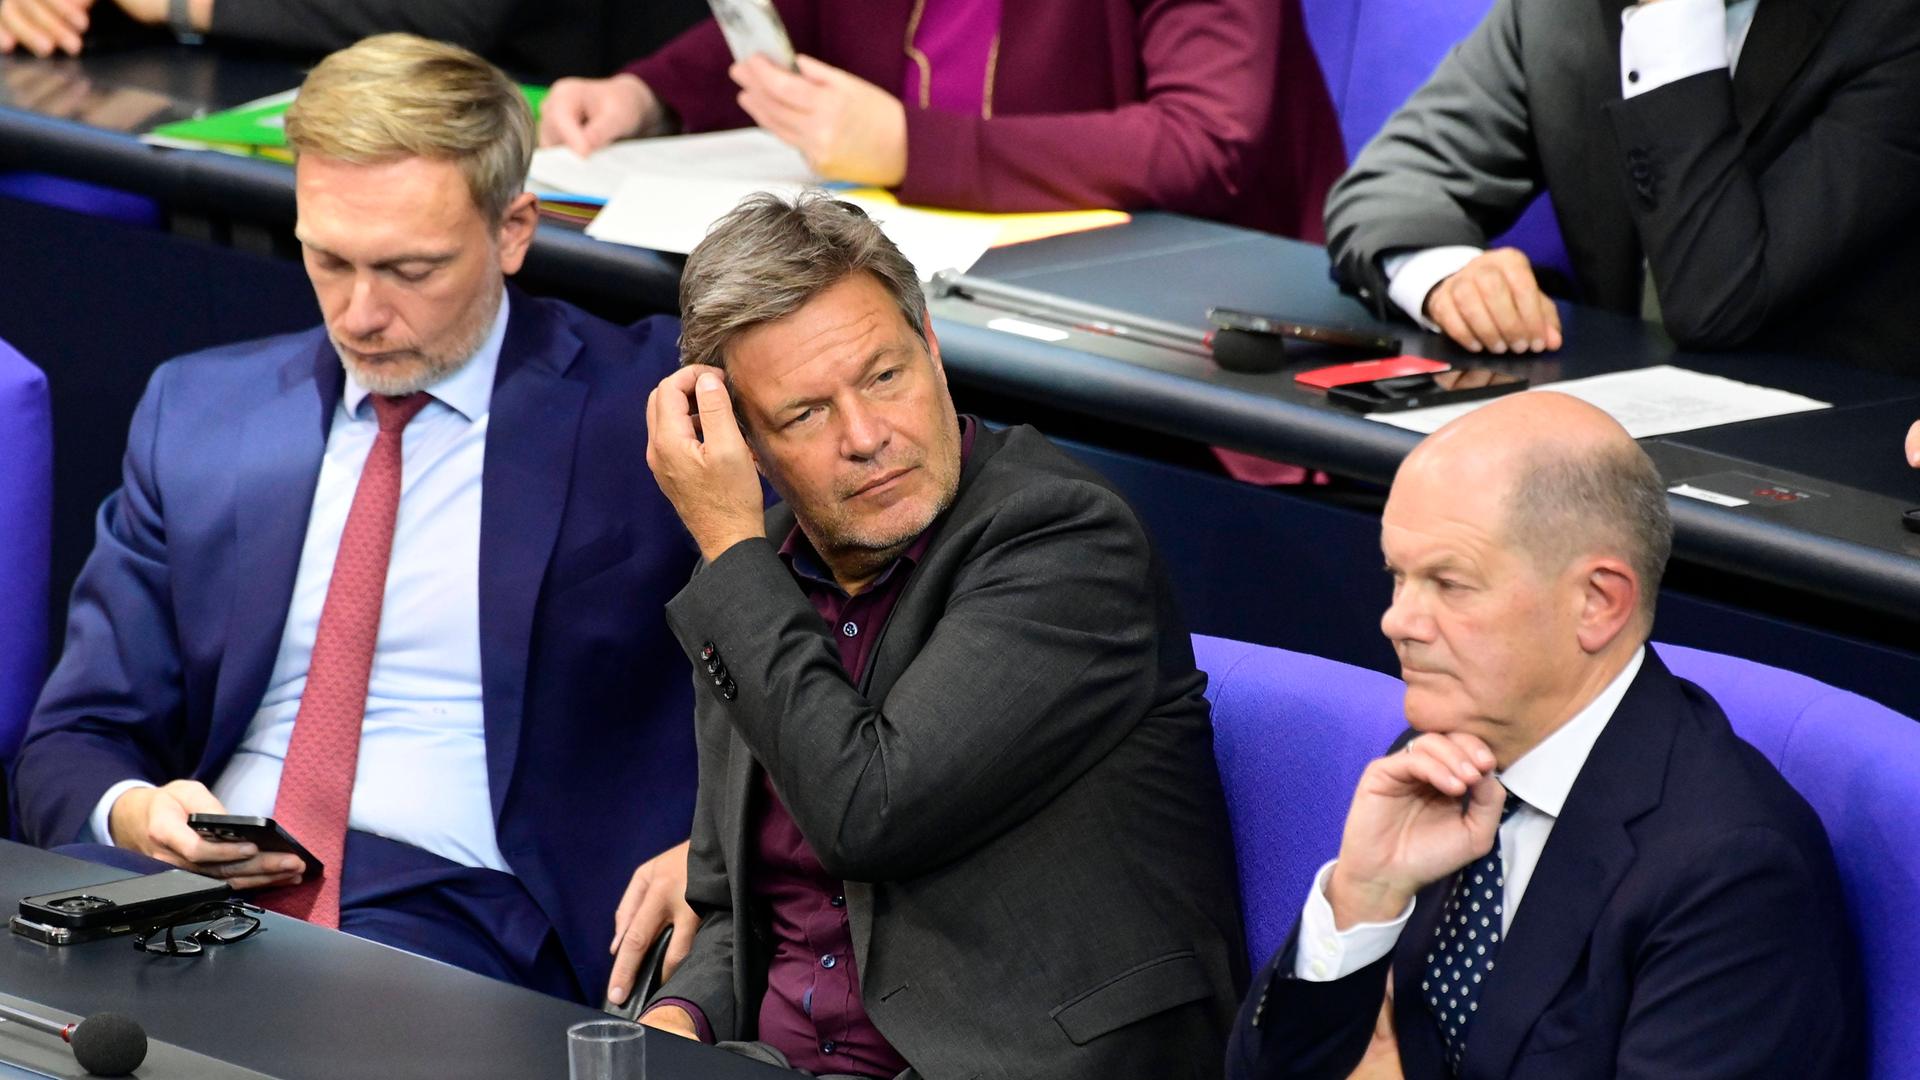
[[1420, 391], [116, 906], [1345, 337], [1911, 519], [263, 833]]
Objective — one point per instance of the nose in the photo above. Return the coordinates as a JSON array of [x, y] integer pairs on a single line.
[[366, 313], [866, 432], [1405, 618]]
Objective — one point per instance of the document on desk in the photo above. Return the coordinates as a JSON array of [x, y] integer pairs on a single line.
[[1649, 401], [742, 156]]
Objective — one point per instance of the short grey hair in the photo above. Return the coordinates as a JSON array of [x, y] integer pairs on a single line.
[[1612, 499], [769, 256]]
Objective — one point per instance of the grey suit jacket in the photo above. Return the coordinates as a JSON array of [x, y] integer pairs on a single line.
[[1777, 209], [1021, 796]]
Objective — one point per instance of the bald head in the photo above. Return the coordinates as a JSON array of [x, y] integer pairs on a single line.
[[1557, 479]]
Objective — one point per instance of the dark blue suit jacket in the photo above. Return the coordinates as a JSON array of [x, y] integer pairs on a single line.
[[177, 617], [1684, 920]]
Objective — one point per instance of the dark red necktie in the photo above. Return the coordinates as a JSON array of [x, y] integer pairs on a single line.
[[316, 783]]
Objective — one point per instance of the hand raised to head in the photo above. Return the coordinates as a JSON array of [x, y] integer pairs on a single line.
[[701, 460]]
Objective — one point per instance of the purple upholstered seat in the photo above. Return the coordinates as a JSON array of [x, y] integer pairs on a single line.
[[26, 515], [1292, 733], [1376, 53]]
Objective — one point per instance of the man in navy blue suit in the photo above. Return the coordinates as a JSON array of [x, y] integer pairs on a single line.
[[1571, 867], [396, 581]]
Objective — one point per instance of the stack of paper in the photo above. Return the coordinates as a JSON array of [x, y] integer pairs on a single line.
[[666, 193], [1649, 401]]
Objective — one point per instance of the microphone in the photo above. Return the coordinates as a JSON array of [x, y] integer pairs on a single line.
[[105, 1044]]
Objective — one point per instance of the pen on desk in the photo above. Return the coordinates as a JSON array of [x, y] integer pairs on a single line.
[[1231, 349]]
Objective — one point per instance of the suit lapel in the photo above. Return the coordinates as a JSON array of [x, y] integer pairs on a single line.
[[532, 424], [1783, 34], [284, 442], [1419, 1038], [1585, 857]]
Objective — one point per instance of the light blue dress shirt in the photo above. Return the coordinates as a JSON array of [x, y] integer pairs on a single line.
[[422, 776]]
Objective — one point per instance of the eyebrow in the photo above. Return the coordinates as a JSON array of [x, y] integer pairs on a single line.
[[874, 359], [432, 258]]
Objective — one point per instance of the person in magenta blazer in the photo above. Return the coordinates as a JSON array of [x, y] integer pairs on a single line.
[[1214, 108]]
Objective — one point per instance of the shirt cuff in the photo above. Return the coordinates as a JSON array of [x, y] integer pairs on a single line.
[[1411, 275], [699, 1016], [1668, 41], [1323, 954], [100, 824]]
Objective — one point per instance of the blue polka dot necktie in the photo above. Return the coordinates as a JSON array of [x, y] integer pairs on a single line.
[[1464, 944]]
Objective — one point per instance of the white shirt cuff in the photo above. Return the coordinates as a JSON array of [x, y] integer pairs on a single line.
[[1665, 42], [99, 823], [1323, 954], [1411, 275]]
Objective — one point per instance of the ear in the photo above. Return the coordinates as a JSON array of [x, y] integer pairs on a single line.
[[1609, 596], [517, 226]]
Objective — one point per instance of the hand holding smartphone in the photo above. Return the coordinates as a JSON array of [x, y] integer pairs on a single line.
[[753, 27], [263, 833]]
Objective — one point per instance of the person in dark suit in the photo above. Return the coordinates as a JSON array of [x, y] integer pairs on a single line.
[[1214, 108], [958, 814], [1570, 867], [537, 40], [1740, 171], [394, 581]]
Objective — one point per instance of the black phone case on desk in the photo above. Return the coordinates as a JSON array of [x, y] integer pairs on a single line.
[[122, 903]]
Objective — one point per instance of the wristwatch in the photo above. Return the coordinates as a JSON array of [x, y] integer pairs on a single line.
[[180, 21]]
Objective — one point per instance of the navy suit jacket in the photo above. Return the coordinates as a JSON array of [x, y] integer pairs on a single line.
[[1685, 920], [178, 614]]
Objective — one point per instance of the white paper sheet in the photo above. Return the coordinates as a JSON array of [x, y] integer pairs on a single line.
[[669, 213], [1647, 402], [744, 154]]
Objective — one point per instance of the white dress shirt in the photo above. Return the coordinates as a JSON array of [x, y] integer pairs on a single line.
[[1541, 778], [1660, 43], [422, 774]]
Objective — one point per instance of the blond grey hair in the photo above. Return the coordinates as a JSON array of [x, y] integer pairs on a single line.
[[769, 256], [395, 96]]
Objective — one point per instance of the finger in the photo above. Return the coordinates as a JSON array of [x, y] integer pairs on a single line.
[[783, 87], [623, 912], [773, 115], [194, 798], [717, 425], [685, 925], [819, 72], [271, 867], [26, 30], [1412, 772], [602, 128], [54, 26], [73, 13], [176, 836], [1913, 445], [670, 421], [637, 938], [1474, 747], [1503, 307], [1530, 328], [1550, 318], [1446, 315], [1473, 309]]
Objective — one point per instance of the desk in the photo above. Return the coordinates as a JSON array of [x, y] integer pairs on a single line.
[[1839, 566], [298, 1001]]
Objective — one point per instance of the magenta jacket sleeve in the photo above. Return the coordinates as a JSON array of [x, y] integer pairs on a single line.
[[689, 73]]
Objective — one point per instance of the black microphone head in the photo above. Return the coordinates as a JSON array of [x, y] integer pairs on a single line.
[[1247, 353], [108, 1044]]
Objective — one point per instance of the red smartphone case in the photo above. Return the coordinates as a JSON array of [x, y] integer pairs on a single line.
[[1360, 371]]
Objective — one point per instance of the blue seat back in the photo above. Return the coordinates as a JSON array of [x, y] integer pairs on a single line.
[[26, 540]]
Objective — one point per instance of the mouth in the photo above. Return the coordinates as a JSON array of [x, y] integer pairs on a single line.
[[883, 482], [374, 359]]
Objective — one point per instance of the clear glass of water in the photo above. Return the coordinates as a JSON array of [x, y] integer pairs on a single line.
[[606, 1050]]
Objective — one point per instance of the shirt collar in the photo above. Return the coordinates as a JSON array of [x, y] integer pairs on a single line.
[[1545, 774], [469, 390]]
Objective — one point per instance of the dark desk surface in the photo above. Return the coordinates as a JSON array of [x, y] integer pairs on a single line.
[[1846, 545], [299, 1001]]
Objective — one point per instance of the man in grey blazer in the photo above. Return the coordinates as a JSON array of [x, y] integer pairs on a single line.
[[958, 814], [1741, 170]]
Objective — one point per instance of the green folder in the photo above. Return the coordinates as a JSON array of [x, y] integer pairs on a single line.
[[263, 124]]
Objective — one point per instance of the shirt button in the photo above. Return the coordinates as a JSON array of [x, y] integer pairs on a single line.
[[1319, 969], [828, 961], [1327, 943], [838, 901], [850, 629], [829, 1046], [1633, 76]]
